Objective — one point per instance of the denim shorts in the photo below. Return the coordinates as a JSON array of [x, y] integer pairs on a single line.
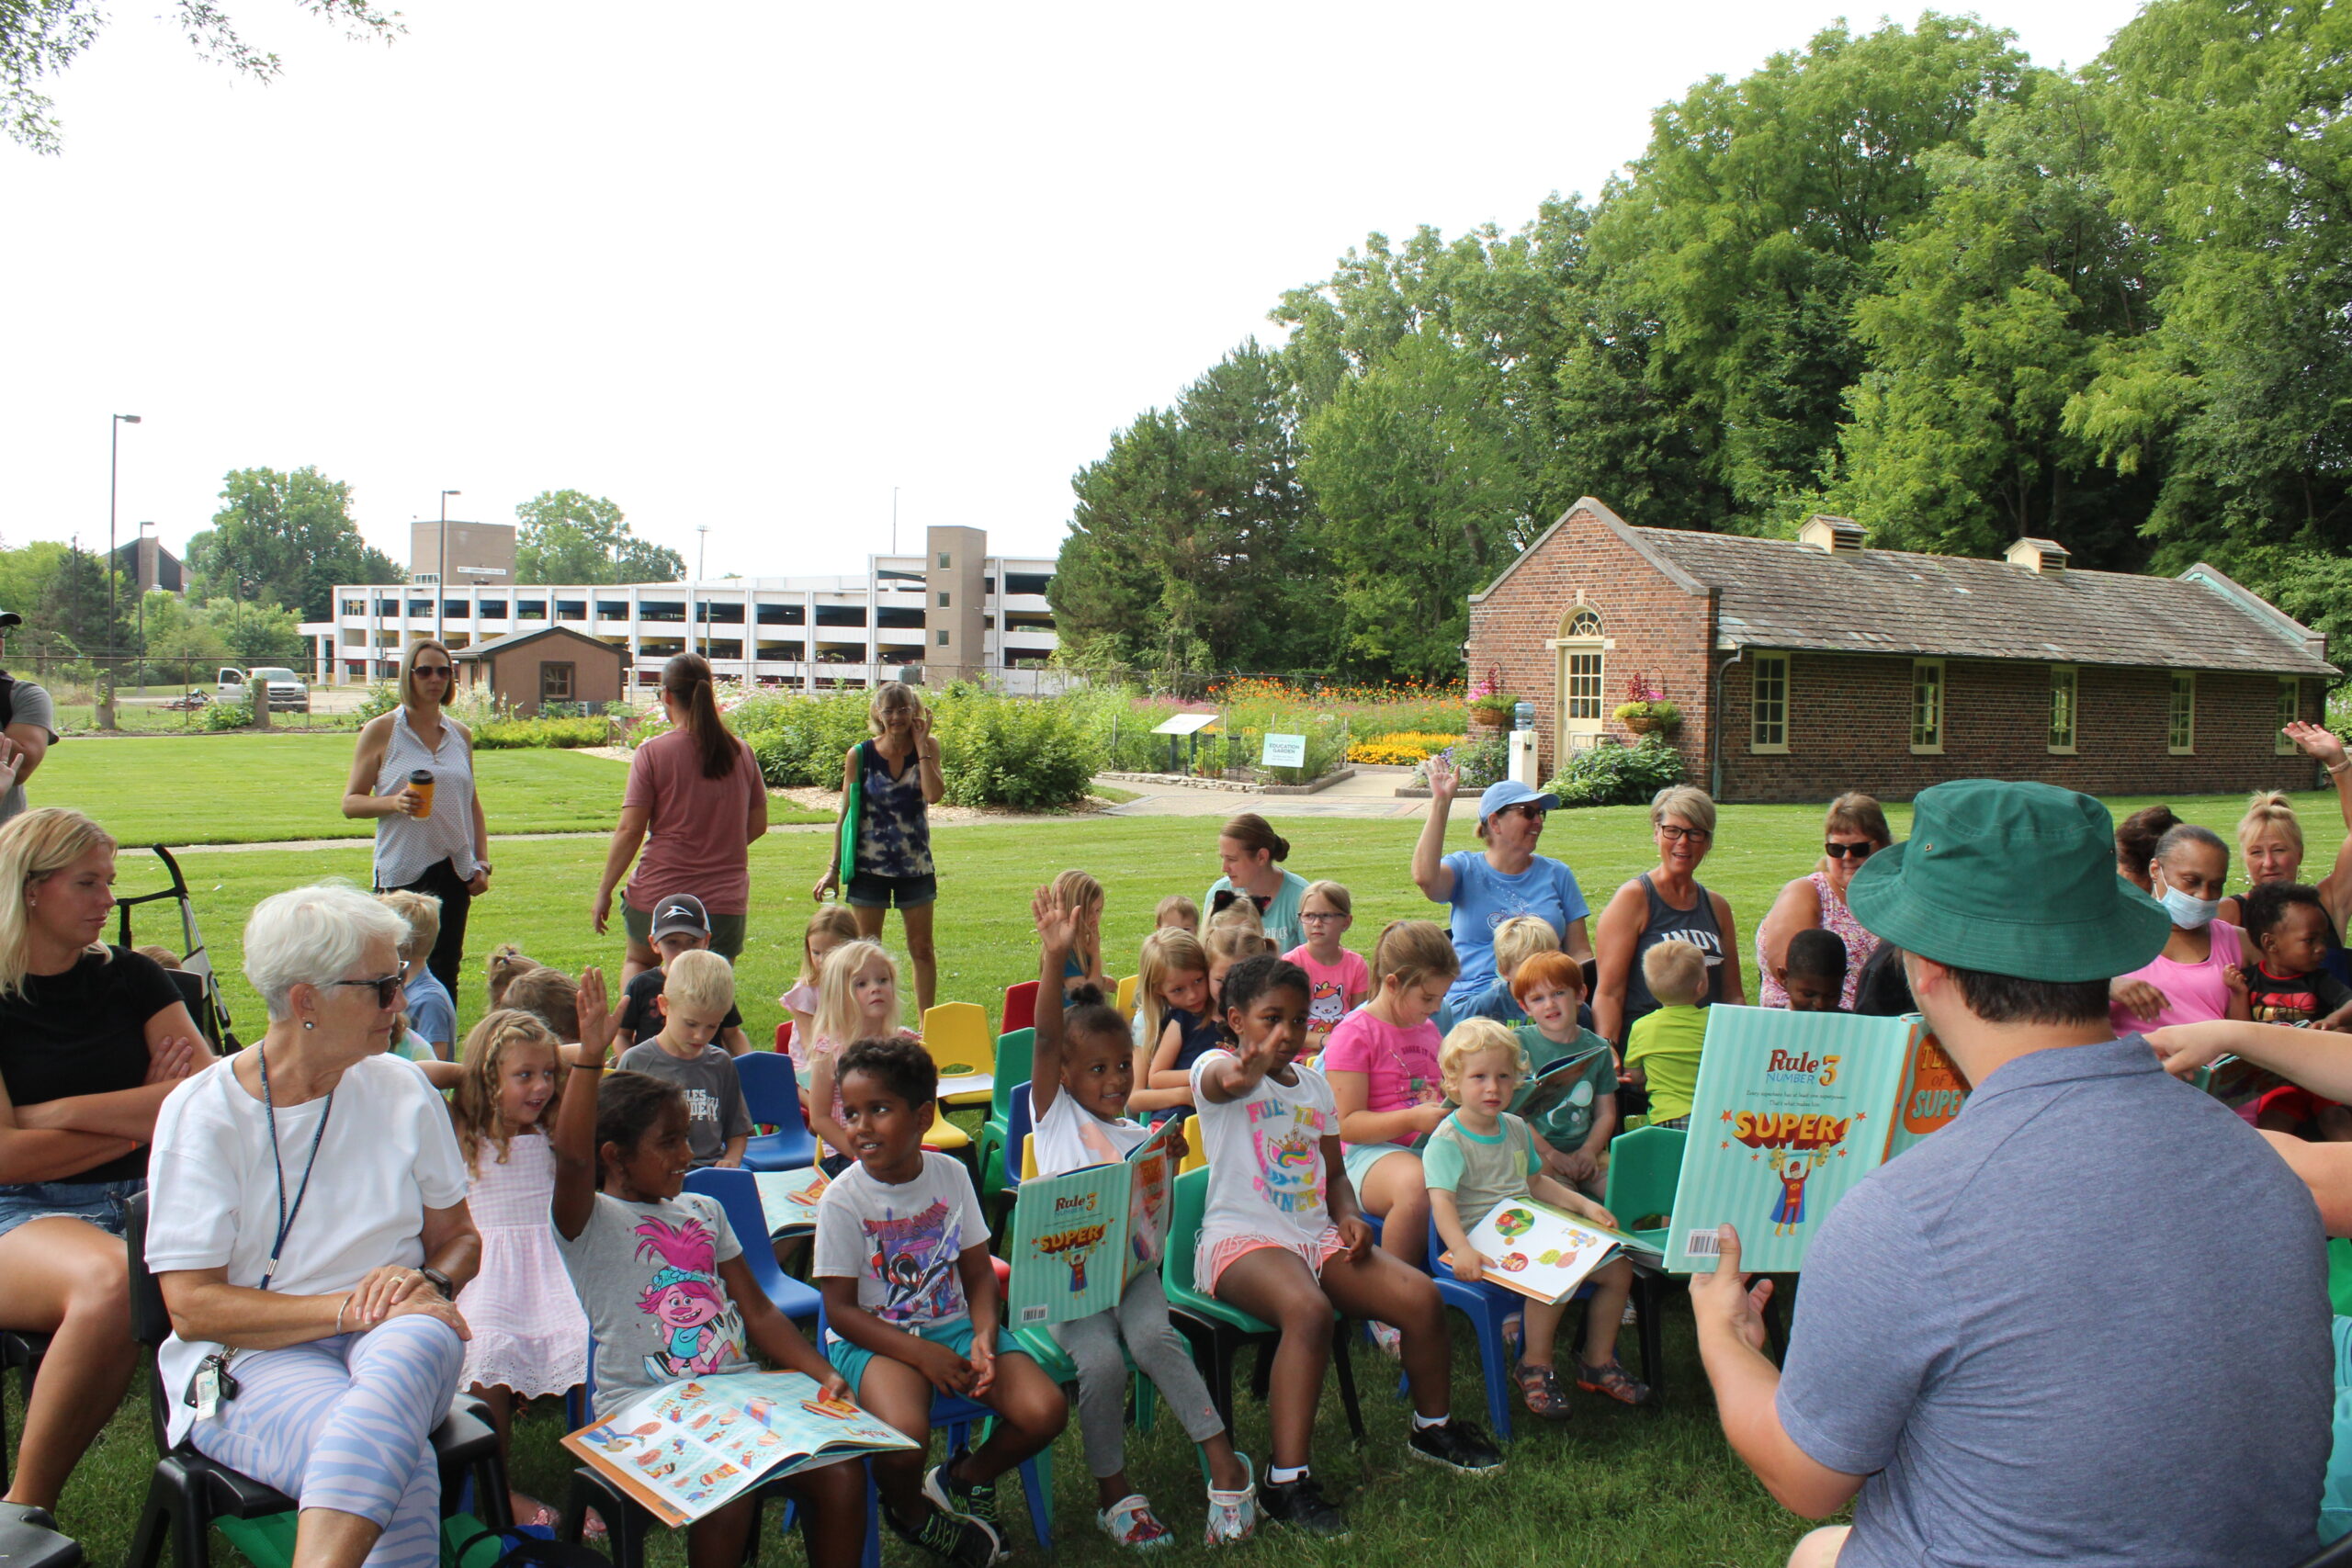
[[867, 891], [100, 1203]]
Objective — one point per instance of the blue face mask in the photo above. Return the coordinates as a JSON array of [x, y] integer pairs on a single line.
[[2191, 914]]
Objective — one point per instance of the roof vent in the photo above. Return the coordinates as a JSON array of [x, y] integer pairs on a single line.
[[1833, 536], [2045, 556]]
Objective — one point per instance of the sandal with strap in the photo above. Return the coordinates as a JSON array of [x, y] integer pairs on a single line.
[[1129, 1522], [1613, 1381], [1540, 1390]]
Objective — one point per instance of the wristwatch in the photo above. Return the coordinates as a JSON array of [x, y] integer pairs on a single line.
[[440, 1282]]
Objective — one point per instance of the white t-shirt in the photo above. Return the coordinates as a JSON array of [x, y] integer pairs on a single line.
[[387, 1155], [900, 1243], [1069, 1137], [1265, 1157]]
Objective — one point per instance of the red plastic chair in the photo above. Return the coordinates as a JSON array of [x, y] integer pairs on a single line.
[[1020, 1006], [783, 1037]]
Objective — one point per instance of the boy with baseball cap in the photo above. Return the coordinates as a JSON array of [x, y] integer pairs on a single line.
[[679, 925]]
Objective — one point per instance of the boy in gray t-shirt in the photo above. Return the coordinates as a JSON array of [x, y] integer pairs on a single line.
[[695, 1002]]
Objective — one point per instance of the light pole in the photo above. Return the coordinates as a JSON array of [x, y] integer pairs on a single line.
[[702, 538], [135, 578], [114, 452], [441, 569]]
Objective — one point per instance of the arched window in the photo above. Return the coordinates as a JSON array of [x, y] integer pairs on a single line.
[[1582, 649]]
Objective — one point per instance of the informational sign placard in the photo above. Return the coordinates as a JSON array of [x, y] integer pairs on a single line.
[[1284, 752]]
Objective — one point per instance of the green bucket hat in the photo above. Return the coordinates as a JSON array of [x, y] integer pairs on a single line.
[[2013, 879]]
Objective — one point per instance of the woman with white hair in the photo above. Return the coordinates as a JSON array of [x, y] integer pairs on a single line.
[[1668, 902], [92, 1039], [309, 1228]]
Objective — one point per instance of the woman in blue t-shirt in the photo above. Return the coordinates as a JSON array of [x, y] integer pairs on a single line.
[[1506, 879]]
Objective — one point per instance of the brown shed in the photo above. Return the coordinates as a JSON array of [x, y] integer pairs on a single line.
[[1808, 666], [553, 664]]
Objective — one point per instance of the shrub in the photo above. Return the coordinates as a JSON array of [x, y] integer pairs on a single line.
[[1015, 751], [382, 697], [220, 715], [1614, 774], [797, 740], [1403, 749], [517, 734], [1477, 765]]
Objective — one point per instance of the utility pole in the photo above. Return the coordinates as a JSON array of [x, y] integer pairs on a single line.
[[441, 573], [114, 454], [893, 520], [694, 608]]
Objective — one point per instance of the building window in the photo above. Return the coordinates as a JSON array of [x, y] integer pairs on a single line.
[[530, 609], [943, 599], [2066, 687], [2291, 711], [943, 562], [942, 636], [555, 683], [1928, 707], [1769, 708], [2180, 734], [355, 606]]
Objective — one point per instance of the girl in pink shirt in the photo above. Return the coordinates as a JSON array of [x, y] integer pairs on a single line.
[[1382, 1065], [2190, 981], [1338, 980]]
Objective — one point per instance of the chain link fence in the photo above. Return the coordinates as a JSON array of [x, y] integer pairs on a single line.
[[134, 695]]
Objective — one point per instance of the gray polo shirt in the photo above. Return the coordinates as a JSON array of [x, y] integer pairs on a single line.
[[2086, 1323], [27, 705]]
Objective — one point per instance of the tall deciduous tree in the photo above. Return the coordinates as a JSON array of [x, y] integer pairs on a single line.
[[287, 538], [567, 535], [75, 605]]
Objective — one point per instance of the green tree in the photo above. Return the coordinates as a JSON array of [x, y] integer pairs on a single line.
[[41, 38], [1995, 306], [1189, 548], [287, 538], [568, 536], [26, 573], [76, 608], [254, 633]]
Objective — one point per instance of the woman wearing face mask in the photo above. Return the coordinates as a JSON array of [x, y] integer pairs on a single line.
[[2190, 981]]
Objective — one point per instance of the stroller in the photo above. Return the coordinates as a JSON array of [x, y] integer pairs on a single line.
[[200, 987]]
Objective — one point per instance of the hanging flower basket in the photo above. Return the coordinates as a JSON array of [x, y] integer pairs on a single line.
[[1653, 717]]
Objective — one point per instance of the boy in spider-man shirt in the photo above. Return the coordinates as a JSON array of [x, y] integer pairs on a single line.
[[2287, 984]]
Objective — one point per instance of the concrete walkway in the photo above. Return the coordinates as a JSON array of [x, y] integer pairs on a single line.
[[1365, 795]]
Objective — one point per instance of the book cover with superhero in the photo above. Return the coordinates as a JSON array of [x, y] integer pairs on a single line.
[[1792, 1109], [1078, 1238]]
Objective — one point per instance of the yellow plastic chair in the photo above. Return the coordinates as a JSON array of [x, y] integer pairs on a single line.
[[1196, 1152], [956, 1035], [1128, 997], [1028, 1158]]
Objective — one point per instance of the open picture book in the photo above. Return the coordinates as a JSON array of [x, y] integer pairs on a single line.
[[1078, 1238], [687, 1448], [1792, 1109], [788, 1198], [1538, 1251]]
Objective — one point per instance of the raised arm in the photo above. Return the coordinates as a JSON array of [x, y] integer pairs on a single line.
[[1057, 927], [934, 783], [1430, 874], [574, 1143]]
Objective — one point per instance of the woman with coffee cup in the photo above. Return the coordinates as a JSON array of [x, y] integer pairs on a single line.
[[414, 773]]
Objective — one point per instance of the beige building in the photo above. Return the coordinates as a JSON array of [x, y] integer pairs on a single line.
[[480, 553]]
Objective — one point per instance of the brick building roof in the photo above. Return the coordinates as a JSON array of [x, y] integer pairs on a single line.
[[1779, 594]]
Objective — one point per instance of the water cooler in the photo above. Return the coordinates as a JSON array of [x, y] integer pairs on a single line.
[[1523, 766]]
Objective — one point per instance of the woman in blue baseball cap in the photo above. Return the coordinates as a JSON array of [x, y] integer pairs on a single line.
[[1501, 882]]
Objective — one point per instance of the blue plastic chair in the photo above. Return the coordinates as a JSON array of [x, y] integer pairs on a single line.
[[1019, 1121], [772, 1095], [1485, 1305], [738, 1195]]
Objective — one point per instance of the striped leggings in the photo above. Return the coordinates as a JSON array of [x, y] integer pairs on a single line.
[[346, 1424]]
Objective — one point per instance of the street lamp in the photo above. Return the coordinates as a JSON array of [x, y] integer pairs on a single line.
[[114, 449], [701, 531], [136, 578], [441, 568]]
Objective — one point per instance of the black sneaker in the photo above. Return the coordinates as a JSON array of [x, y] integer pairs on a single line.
[[1301, 1504], [976, 1501], [1458, 1446], [951, 1537]]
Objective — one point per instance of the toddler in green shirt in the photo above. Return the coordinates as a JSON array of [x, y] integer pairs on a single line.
[[1662, 1048]]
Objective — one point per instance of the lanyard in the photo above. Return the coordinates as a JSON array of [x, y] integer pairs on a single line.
[[286, 1217]]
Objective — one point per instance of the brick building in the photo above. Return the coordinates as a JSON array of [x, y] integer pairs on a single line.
[[1804, 667]]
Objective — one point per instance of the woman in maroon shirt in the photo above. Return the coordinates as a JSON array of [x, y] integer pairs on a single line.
[[696, 803]]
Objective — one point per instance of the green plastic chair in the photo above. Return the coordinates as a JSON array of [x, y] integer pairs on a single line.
[[1013, 1051], [1220, 1328], [1643, 1166]]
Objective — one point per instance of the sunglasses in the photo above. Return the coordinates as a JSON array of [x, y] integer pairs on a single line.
[[1846, 851], [388, 989], [440, 671], [1527, 809]]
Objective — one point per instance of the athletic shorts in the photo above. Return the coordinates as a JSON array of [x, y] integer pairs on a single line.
[[956, 1333], [1213, 1258], [867, 891]]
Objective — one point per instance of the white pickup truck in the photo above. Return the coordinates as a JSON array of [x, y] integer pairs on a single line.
[[285, 688]]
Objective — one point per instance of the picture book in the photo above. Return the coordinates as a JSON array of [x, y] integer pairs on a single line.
[[1792, 1109], [1555, 1084], [685, 1448], [1538, 1251], [1078, 1238], [788, 1198]]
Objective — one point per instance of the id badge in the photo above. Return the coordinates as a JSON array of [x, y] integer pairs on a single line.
[[208, 1390]]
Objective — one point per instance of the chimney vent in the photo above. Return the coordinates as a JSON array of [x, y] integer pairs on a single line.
[[1833, 536], [2047, 557]]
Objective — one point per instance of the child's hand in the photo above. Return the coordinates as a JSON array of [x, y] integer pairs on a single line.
[[2137, 998], [1179, 1146], [1575, 1167], [942, 1368], [983, 1362], [1427, 1117], [1263, 1057], [832, 1386], [1593, 1212], [1058, 923], [1358, 1236], [1469, 1265], [2235, 978], [2184, 1047], [595, 1014]]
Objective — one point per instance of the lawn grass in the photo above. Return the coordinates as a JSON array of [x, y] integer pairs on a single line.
[[244, 789], [1611, 1486]]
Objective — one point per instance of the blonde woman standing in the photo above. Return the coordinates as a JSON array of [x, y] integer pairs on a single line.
[[430, 840], [92, 1039], [897, 780]]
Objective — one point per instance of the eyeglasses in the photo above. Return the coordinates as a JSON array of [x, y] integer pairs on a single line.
[[1673, 835], [439, 671], [388, 989], [1317, 917], [1835, 850]]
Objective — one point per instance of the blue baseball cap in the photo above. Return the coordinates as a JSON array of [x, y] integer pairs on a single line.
[[1505, 792]]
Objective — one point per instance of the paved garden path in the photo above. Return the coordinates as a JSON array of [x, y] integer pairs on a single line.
[[1365, 795]]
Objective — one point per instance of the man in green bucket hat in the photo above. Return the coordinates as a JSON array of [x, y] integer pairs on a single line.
[[2087, 1322]]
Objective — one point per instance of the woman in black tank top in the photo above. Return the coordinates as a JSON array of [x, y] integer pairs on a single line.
[[1667, 903]]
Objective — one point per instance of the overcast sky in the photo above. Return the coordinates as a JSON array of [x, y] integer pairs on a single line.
[[754, 266]]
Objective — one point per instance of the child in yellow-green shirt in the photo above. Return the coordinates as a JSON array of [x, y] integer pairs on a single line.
[[1662, 1048]]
